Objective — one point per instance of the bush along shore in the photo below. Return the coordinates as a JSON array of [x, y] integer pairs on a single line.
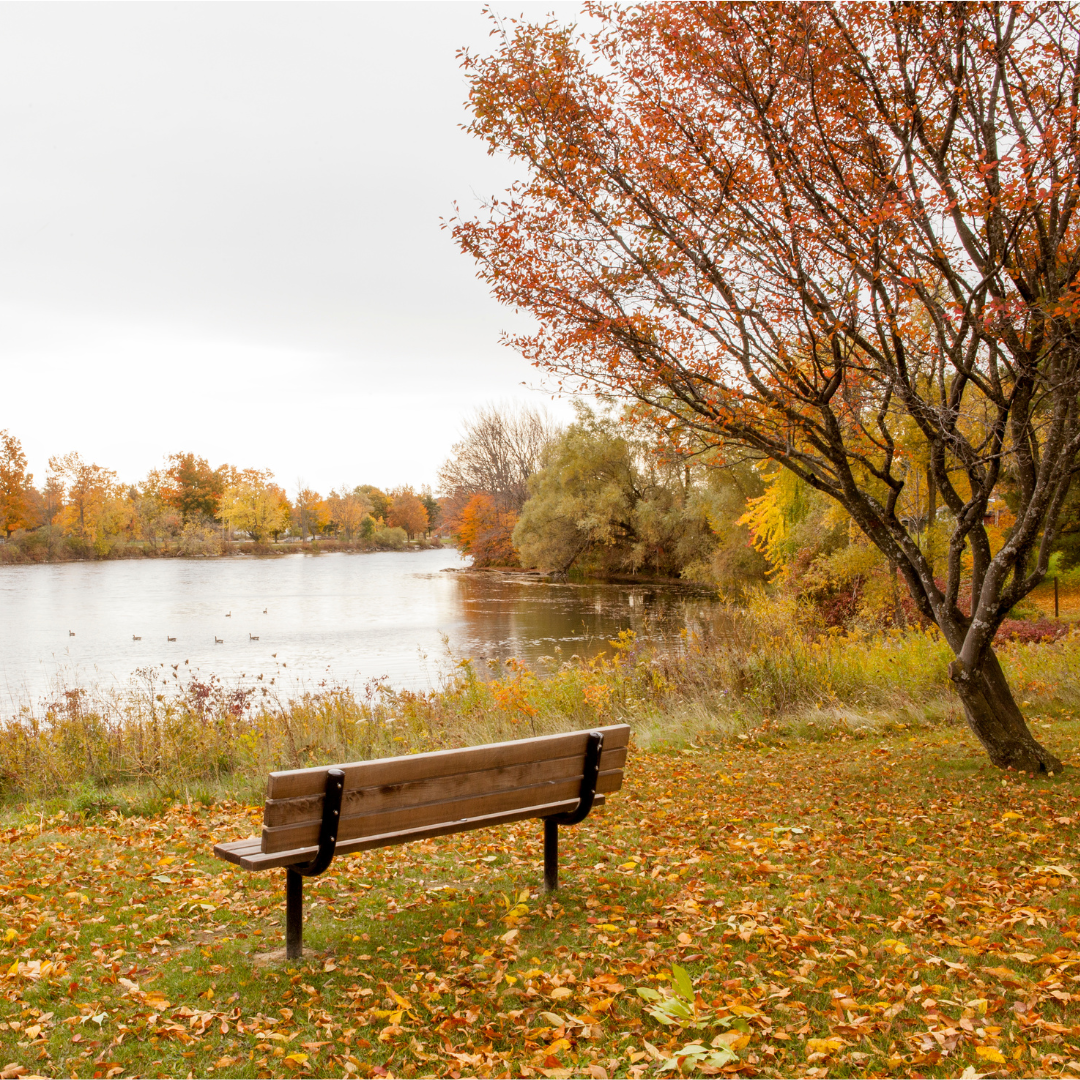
[[767, 674], [41, 547], [812, 870]]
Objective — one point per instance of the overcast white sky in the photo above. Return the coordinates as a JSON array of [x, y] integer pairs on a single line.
[[219, 232]]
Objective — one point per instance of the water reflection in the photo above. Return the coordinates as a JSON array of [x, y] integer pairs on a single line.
[[503, 617]]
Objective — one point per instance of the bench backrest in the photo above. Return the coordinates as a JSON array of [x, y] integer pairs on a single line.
[[424, 791]]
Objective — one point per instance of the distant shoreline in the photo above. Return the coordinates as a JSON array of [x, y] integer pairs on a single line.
[[13, 553]]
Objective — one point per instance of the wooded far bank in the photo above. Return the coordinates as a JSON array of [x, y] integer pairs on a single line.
[[84, 511]]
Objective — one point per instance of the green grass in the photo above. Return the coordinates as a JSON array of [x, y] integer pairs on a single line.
[[847, 898]]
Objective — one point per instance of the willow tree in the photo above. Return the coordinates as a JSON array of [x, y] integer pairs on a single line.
[[802, 229]]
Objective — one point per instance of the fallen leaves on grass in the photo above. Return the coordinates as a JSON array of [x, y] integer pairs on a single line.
[[882, 906]]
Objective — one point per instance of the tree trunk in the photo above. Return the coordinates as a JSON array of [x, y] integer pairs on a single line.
[[997, 721], [931, 510], [898, 613]]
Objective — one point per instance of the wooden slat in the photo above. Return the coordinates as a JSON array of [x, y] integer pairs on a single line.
[[235, 849], [373, 800], [400, 770], [246, 853], [287, 837]]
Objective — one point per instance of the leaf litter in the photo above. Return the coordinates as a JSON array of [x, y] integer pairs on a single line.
[[881, 906]]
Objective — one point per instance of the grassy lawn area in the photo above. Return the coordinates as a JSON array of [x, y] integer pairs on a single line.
[[883, 905], [1068, 599]]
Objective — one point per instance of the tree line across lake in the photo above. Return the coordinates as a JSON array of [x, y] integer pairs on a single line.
[[186, 507], [606, 496]]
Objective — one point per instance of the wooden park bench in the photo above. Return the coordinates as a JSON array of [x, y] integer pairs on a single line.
[[311, 815]]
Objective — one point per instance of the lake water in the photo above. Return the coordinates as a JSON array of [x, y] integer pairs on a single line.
[[341, 618]]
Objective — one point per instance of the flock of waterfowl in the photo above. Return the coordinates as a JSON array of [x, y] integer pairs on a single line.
[[217, 640]]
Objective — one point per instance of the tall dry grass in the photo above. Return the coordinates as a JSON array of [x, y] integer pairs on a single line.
[[767, 672]]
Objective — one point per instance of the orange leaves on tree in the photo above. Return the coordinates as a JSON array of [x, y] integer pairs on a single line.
[[486, 533], [15, 485], [750, 217], [407, 511]]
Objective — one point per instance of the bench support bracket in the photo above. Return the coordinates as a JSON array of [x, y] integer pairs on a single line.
[[294, 914], [593, 748], [294, 875]]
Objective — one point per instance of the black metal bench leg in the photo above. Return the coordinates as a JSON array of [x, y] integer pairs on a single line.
[[294, 914], [594, 747], [551, 854]]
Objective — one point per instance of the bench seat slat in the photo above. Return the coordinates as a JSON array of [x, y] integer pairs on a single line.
[[473, 805], [295, 783], [247, 853], [373, 800], [233, 850]]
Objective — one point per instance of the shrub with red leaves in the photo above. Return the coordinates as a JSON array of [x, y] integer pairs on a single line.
[[1029, 630]]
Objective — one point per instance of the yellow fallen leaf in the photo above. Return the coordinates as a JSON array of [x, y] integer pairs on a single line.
[[1009, 815], [991, 1053], [509, 936], [1061, 871], [561, 992], [824, 1046], [627, 865], [557, 1045], [608, 928], [733, 1040], [554, 1019], [743, 1010], [297, 1057]]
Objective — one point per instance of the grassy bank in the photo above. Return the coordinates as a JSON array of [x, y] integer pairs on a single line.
[[49, 546], [164, 740]]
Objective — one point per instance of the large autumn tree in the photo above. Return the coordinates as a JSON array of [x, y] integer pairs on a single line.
[[808, 229], [192, 487], [407, 511], [485, 480], [16, 485]]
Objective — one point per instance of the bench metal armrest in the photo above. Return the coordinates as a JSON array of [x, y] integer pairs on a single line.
[[328, 830], [593, 748]]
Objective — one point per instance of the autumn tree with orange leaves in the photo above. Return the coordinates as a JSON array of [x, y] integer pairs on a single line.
[[16, 485], [800, 228], [408, 512], [486, 533]]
